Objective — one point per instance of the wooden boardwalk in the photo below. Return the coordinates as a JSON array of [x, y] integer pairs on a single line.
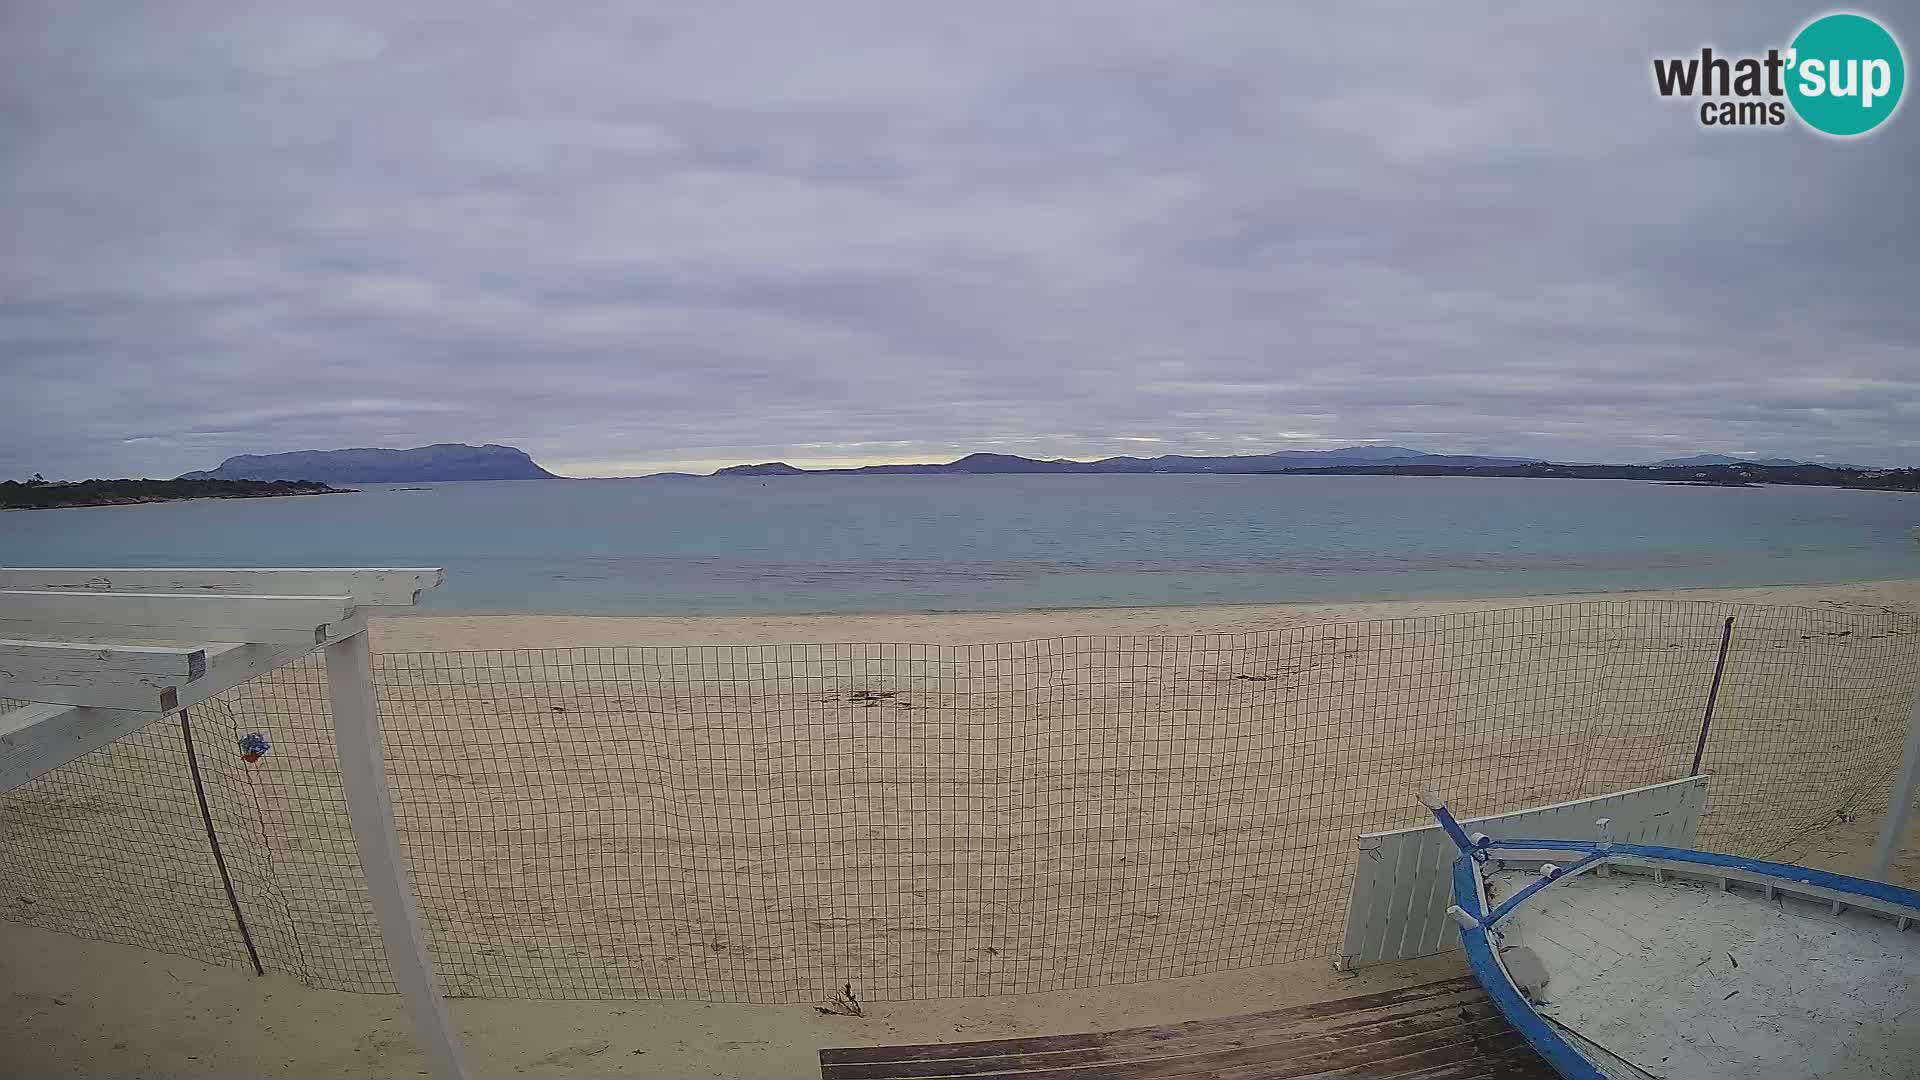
[[1438, 1031]]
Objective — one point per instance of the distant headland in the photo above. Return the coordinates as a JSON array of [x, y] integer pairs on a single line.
[[367, 465], [40, 494], [1279, 461]]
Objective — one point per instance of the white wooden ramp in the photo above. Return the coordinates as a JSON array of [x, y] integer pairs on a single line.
[[1403, 879]]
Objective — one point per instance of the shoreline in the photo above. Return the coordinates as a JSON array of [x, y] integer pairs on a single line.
[[436, 631], [1340, 599]]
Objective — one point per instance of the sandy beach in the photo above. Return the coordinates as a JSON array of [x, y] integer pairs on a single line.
[[90, 1008], [560, 631]]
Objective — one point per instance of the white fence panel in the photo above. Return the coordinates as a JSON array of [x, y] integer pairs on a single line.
[[1403, 880]]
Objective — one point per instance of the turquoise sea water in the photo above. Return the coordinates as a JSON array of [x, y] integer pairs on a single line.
[[982, 542]]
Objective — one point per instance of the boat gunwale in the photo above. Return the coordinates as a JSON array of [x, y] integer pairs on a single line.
[[1483, 958]]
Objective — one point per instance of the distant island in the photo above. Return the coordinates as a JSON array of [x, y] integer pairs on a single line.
[[1719, 470], [1279, 461], [1728, 459], [367, 465], [49, 495]]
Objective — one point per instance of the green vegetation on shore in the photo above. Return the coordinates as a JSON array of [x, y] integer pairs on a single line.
[[43, 495], [1713, 475]]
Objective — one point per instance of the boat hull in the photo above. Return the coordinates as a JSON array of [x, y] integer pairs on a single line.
[[1628, 961]]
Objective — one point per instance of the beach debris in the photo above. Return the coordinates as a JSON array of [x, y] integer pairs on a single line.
[[1279, 674], [252, 746], [573, 1055], [872, 698], [842, 1003]]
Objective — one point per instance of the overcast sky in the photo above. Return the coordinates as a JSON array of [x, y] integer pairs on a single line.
[[641, 237]]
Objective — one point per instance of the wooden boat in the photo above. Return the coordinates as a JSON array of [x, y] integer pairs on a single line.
[[1628, 962]]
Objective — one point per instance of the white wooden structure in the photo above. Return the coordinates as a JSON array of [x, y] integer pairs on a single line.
[[102, 653], [1906, 788], [1403, 880]]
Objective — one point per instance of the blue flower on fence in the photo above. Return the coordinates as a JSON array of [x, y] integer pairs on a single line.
[[252, 745]]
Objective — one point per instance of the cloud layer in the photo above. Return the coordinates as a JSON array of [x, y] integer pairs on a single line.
[[643, 237]]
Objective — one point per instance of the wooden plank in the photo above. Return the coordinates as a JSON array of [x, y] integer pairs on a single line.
[[108, 685], [1448, 1041], [230, 664], [373, 586], [1245, 1034], [1304, 1050], [189, 661], [1441, 1031], [186, 611], [157, 694], [1403, 895], [1364, 897], [41, 737], [120, 633], [1428, 925], [36, 739], [356, 726], [1385, 999], [1578, 808]]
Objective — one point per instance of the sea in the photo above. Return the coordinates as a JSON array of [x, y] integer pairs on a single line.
[[1000, 542]]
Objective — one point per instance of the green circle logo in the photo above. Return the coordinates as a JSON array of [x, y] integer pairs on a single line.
[[1845, 74]]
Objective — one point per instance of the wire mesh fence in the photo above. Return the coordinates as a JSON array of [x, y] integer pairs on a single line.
[[765, 823]]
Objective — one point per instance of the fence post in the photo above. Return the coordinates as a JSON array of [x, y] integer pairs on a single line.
[[1713, 695], [213, 841], [363, 773], [1900, 801]]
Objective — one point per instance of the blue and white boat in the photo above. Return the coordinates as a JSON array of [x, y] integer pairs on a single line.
[[1628, 962]]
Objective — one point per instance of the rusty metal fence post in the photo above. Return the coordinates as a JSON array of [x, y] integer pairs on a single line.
[[1713, 695]]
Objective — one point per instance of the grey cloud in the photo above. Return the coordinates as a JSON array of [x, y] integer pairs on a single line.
[[840, 232]]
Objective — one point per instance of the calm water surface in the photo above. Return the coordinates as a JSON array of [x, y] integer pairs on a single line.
[[982, 542]]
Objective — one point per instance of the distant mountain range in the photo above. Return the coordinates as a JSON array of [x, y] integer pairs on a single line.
[[1711, 469], [1279, 461], [458, 461], [1722, 459], [441, 461]]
